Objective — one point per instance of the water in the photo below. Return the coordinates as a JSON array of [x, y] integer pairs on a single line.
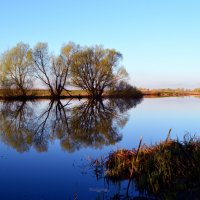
[[46, 147]]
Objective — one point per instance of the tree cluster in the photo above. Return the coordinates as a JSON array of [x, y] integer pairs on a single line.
[[92, 69]]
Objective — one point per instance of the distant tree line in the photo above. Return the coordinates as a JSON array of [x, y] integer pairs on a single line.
[[93, 69]]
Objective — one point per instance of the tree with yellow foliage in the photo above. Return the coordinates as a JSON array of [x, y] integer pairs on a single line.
[[16, 66]]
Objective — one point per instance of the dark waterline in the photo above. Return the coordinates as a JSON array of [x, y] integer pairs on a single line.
[[51, 160]]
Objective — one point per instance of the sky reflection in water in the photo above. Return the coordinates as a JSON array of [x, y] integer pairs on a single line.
[[45, 146]]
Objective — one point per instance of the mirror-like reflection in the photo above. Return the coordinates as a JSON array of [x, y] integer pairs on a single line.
[[78, 135], [89, 123], [16, 127]]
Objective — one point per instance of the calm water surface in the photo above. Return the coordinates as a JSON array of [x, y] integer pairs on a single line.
[[46, 147]]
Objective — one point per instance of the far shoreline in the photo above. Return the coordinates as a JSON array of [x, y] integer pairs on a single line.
[[169, 92], [36, 94]]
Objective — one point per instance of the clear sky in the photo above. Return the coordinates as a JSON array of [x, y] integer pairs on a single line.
[[159, 39]]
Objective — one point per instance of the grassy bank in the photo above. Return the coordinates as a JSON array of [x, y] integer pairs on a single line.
[[45, 94], [133, 93], [39, 93], [169, 92], [164, 170]]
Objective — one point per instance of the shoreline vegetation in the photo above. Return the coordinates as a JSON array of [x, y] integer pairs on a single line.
[[167, 170], [13, 94], [169, 92], [92, 72], [79, 94]]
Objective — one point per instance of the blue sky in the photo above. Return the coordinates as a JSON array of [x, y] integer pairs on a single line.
[[159, 39]]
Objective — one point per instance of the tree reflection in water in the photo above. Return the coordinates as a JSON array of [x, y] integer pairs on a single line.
[[16, 128], [93, 123]]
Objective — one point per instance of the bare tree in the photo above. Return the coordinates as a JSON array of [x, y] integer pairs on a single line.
[[51, 70], [95, 69], [16, 68]]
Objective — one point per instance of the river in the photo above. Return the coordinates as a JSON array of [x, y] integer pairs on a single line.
[[47, 148]]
